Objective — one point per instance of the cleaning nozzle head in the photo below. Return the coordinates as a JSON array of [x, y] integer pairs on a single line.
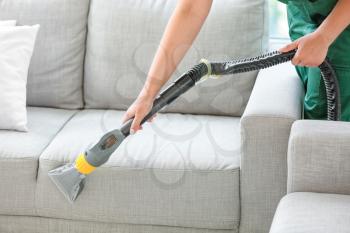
[[68, 180]]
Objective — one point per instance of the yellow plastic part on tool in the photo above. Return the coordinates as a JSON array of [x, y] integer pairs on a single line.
[[83, 166]]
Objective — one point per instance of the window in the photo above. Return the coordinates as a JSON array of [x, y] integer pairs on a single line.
[[278, 20]]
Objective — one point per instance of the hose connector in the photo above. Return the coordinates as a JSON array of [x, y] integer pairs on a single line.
[[210, 71], [208, 65]]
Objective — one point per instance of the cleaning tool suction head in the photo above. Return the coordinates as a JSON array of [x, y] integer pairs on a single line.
[[68, 180]]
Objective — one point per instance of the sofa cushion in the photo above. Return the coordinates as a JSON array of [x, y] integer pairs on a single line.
[[56, 71], [19, 154], [183, 170], [123, 37], [312, 213]]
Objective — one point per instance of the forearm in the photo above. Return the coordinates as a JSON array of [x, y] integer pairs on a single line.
[[336, 21], [182, 29]]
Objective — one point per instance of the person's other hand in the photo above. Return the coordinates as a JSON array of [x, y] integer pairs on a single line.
[[139, 109], [311, 50]]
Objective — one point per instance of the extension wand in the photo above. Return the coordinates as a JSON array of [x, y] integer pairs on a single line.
[[70, 178]]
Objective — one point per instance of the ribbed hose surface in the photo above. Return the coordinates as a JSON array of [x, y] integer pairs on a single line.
[[275, 58]]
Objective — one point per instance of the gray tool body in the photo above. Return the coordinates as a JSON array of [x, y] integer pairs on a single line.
[[69, 178]]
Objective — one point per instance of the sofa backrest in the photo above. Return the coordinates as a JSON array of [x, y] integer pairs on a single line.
[[56, 71], [121, 42], [123, 37]]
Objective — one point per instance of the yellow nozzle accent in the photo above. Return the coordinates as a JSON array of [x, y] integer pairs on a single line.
[[83, 166]]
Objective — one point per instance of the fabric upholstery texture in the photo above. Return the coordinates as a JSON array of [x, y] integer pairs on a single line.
[[173, 141], [312, 213], [56, 71], [21, 224], [180, 171], [19, 153], [16, 50], [120, 48], [275, 103], [319, 157]]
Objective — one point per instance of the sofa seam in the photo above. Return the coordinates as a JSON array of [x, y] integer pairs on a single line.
[[227, 220], [54, 137], [264, 26], [236, 222], [38, 160], [272, 117], [85, 53]]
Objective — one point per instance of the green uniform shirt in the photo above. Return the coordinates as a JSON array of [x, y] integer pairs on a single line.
[[304, 17]]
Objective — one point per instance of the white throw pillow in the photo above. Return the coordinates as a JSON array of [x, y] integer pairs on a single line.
[[16, 49], [7, 23]]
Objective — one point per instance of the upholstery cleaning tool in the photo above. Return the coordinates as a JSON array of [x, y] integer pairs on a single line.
[[70, 178]]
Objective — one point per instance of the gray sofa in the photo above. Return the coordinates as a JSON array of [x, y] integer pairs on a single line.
[[318, 180], [214, 161]]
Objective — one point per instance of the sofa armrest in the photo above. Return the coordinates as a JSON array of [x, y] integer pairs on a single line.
[[275, 103], [319, 157], [278, 92]]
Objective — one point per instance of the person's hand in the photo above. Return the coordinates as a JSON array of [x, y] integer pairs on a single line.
[[311, 50], [139, 109]]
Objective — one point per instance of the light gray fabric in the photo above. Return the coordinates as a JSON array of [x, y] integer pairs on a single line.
[[19, 154], [319, 157], [16, 224], [123, 38], [173, 141], [312, 213], [275, 103], [170, 174], [56, 71]]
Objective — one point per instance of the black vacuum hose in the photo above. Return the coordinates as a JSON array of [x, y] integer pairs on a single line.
[[189, 79], [274, 58]]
